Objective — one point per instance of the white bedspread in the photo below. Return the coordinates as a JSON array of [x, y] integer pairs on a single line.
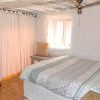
[[68, 76]]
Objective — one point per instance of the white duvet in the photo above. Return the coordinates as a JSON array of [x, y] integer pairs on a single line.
[[68, 76]]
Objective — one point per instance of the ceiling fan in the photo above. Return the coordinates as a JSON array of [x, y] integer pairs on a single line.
[[80, 5]]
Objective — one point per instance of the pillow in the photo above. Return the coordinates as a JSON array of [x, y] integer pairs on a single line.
[[57, 52], [41, 49]]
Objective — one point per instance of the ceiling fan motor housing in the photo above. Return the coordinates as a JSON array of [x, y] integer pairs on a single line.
[[79, 1], [79, 11]]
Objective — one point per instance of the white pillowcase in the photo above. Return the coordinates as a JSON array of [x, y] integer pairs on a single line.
[[57, 52]]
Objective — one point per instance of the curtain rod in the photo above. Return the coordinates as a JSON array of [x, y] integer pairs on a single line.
[[17, 11]]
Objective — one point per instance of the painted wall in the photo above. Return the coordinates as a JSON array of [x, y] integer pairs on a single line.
[[85, 41], [86, 36]]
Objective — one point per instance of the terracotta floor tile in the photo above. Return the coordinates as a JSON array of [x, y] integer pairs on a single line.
[[7, 87], [12, 89], [6, 96], [16, 92]]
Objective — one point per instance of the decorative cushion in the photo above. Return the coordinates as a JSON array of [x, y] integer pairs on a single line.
[[41, 49]]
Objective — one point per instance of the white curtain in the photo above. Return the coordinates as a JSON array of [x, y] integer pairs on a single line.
[[59, 31], [16, 42]]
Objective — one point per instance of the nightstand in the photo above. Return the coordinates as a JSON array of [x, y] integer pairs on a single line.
[[38, 58], [91, 95]]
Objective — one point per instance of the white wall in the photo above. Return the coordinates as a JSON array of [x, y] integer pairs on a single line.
[[86, 37]]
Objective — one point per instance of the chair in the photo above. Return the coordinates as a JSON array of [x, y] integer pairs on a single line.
[[41, 52]]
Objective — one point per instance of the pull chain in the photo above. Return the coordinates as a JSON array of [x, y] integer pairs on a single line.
[[79, 20]]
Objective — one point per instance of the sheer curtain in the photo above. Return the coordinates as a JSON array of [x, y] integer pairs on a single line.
[[59, 31], [16, 42]]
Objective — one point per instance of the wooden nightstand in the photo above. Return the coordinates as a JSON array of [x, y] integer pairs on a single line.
[[91, 95], [38, 58]]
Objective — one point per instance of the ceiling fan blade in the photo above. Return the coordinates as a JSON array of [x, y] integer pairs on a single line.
[[92, 4], [64, 9]]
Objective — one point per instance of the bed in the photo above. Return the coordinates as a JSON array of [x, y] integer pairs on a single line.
[[61, 78]]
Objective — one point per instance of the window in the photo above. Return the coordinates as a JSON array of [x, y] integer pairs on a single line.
[[59, 33]]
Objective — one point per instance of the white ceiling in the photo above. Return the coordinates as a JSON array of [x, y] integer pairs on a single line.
[[42, 5]]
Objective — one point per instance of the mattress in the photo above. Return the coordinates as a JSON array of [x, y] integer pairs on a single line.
[[36, 92], [68, 76]]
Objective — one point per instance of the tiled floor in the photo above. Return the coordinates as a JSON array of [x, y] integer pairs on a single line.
[[11, 89]]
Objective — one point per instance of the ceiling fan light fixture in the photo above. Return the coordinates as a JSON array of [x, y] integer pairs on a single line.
[[79, 11]]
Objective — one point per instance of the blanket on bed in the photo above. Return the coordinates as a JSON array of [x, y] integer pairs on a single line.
[[68, 76]]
